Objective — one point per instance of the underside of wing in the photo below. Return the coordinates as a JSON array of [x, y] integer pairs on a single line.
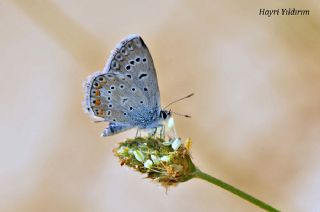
[[127, 87]]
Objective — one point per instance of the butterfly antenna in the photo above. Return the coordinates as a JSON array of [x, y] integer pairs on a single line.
[[179, 114], [179, 100]]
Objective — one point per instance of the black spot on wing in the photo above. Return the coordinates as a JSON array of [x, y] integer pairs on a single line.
[[142, 75]]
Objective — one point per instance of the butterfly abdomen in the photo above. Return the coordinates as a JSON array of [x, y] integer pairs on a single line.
[[114, 128]]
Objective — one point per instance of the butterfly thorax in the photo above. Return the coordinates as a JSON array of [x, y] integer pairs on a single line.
[[149, 118], [163, 115]]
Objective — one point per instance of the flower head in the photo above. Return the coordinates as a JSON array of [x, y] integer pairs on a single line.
[[165, 164]]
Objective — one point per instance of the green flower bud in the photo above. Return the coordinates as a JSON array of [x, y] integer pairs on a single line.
[[167, 143], [138, 155], [148, 164]]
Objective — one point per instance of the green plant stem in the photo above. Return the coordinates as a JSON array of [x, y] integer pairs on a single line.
[[199, 174]]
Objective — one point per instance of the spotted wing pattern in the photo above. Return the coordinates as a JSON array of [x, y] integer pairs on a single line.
[[126, 91]]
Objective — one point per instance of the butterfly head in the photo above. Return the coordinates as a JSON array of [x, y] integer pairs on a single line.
[[165, 114]]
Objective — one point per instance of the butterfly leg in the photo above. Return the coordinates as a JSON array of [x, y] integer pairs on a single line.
[[138, 133], [162, 132], [154, 132]]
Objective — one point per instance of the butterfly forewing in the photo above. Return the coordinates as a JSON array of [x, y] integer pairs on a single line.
[[127, 89]]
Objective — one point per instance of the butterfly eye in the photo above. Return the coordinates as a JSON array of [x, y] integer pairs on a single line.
[[130, 46], [95, 92], [96, 84], [115, 65], [124, 51], [163, 115], [137, 42]]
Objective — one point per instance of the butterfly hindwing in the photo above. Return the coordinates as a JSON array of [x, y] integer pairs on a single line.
[[126, 91]]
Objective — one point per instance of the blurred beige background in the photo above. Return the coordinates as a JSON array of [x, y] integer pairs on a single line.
[[255, 117]]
